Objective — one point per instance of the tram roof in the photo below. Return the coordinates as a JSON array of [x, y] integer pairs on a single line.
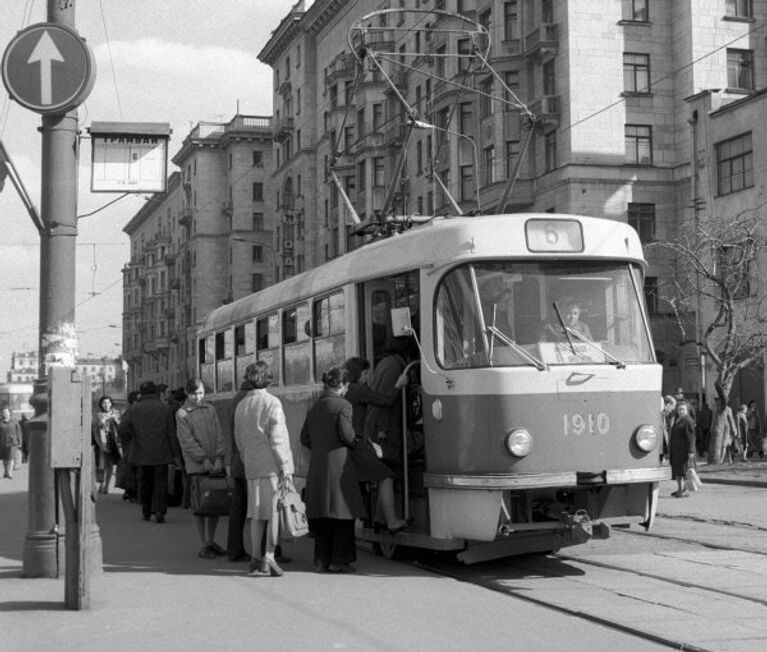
[[441, 241]]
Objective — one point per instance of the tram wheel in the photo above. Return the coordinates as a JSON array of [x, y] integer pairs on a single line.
[[387, 549]]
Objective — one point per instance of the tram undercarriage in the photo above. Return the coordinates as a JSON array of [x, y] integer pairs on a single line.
[[481, 523]]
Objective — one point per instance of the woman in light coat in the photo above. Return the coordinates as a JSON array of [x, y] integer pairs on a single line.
[[263, 442]]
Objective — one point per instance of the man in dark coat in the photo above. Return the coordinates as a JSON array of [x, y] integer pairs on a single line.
[[148, 431]]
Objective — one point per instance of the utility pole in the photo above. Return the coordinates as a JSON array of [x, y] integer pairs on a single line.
[[49, 69]]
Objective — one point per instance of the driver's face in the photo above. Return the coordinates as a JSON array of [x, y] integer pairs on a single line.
[[572, 315]]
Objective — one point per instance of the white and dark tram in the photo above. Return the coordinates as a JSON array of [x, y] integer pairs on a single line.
[[525, 442]]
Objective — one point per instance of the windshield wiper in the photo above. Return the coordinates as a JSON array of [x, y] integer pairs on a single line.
[[581, 337], [564, 328], [539, 364]]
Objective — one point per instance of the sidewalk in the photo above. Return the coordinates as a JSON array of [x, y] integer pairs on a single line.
[[746, 474], [155, 593]]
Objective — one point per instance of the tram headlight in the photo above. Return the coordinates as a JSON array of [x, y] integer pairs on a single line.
[[519, 442], [646, 438]]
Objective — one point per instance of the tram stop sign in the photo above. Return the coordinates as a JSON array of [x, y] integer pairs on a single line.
[[48, 68]]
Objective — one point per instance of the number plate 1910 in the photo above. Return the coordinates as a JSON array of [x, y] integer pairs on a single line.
[[586, 424]]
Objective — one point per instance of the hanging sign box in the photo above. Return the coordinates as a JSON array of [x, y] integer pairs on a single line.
[[129, 156]]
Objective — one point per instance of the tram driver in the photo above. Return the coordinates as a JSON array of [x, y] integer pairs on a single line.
[[570, 312]]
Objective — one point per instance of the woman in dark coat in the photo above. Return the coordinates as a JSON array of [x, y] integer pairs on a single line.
[[681, 447], [333, 498]]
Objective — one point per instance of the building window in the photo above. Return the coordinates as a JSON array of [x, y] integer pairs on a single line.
[[735, 271], [418, 157], [377, 117], [550, 151], [651, 294], [739, 8], [486, 99], [258, 191], [464, 54], [510, 21], [256, 282], [258, 159], [636, 72], [258, 221], [467, 182], [464, 117], [258, 254], [378, 172], [639, 144], [740, 69], [489, 165], [512, 154], [549, 78], [439, 64], [642, 218], [636, 10], [734, 164]]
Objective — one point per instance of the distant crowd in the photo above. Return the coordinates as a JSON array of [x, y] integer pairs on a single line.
[[719, 435]]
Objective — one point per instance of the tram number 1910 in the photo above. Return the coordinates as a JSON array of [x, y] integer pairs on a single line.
[[586, 424]]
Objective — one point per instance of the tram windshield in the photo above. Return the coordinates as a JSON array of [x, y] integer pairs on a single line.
[[541, 313]]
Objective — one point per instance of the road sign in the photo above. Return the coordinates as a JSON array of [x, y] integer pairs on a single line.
[[48, 68]]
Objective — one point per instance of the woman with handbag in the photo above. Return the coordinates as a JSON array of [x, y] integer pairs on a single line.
[[264, 445], [106, 447], [202, 447]]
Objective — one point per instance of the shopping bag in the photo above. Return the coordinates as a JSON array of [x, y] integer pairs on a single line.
[[292, 511], [692, 480], [210, 495]]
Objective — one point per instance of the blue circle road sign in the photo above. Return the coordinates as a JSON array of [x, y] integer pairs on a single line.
[[48, 68]]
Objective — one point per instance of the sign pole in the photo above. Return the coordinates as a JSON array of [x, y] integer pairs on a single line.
[[57, 340]]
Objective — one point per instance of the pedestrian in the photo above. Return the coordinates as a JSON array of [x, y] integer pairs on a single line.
[[679, 396], [741, 421], [365, 462], [10, 440], [202, 447], [754, 430], [262, 438], [23, 424], [238, 508], [703, 426], [383, 425], [127, 473], [333, 497], [669, 414], [105, 443], [148, 429], [681, 447], [723, 429]]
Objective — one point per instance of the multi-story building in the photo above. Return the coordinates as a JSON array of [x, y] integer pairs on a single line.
[[610, 85], [208, 240], [24, 367]]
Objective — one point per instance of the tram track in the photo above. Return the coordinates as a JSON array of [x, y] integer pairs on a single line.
[[463, 574]]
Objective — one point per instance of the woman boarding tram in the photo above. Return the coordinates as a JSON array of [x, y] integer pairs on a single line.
[[528, 444]]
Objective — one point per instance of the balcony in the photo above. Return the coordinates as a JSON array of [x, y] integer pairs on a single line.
[[381, 40], [546, 109], [186, 216], [542, 41], [394, 135], [283, 128], [399, 78], [342, 67]]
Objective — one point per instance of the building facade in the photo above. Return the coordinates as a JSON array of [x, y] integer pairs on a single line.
[[608, 82], [208, 240]]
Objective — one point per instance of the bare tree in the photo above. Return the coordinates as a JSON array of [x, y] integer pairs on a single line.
[[716, 267]]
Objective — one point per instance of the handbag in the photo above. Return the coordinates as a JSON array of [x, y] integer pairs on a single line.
[[292, 511], [210, 495], [692, 480]]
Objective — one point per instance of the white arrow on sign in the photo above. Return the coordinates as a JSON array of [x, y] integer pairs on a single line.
[[45, 51]]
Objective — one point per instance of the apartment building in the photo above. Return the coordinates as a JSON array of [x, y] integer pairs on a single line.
[[208, 240], [611, 85]]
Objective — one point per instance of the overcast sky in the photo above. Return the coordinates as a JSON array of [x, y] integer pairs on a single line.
[[176, 61]]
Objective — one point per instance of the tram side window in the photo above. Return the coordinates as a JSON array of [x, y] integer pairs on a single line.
[[329, 333], [244, 349], [224, 360], [268, 343], [296, 328], [207, 363], [459, 333]]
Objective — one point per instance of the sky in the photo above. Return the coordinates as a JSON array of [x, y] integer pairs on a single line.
[[175, 61]]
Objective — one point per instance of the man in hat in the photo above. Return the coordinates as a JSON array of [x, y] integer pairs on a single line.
[[148, 431]]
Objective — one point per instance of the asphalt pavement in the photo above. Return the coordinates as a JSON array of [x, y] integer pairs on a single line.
[[156, 593]]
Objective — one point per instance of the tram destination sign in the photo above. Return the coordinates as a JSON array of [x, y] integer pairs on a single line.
[[48, 68]]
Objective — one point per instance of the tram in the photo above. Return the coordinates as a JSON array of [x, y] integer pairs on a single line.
[[532, 433]]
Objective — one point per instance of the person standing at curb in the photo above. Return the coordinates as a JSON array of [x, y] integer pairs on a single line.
[[148, 431], [682, 447], [754, 430], [202, 446], [10, 440]]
